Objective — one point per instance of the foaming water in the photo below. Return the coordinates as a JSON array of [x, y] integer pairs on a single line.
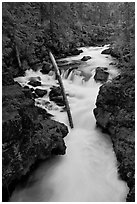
[[88, 170]]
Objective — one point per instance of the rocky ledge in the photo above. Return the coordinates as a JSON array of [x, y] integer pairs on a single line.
[[101, 74], [29, 135], [115, 114]]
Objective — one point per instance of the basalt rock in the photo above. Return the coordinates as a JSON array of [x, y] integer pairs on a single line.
[[46, 68], [75, 51], [56, 96], [40, 92], [37, 78], [85, 58], [101, 74], [34, 81], [58, 100], [115, 114], [106, 51], [111, 51], [28, 135]]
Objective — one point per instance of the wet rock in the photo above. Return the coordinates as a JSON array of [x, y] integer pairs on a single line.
[[37, 66], [85, 58], [40, 92], [55, 91], [56, 96], [38, 78], [111, 51], [26, 87], [102, 117], [112, 63], [34, 83], [101, 74], [43, 103], [58, 100], [46, 68], [28, 135], [106, 51], [75, 52], [34, 95], [115, 114]]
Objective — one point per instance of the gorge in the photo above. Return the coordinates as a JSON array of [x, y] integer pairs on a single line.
[[43, 159]]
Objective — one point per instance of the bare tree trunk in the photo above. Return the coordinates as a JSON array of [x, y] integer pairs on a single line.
[[18, 56], [62, 89]]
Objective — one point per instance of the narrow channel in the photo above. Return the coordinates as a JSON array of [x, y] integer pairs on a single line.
[[88, 170]]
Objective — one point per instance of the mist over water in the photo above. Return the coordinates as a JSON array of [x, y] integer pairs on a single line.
[[88, 170]]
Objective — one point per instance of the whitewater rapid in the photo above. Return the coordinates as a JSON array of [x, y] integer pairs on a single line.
[[88, 170]]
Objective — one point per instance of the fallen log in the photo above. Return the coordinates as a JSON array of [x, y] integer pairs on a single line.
[[62, 89]]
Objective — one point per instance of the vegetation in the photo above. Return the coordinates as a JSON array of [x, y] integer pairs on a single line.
[[29, 30]]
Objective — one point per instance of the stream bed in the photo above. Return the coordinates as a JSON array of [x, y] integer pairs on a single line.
[[88, 170]]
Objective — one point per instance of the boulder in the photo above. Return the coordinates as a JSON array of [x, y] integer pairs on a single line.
[[112, 63], [46, 68], [76, 51], [58, 100], [101, 74], [111, 51], [34, 95], [35, 78], [35, 81], [56, 96], [73, 51], [85, 58], [106, 51], [27, 87], [55, 91], [40, 92]]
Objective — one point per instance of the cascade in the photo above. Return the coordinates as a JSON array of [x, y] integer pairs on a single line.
[[88, 170]]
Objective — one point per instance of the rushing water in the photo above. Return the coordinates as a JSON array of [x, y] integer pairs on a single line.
[[88, 170]]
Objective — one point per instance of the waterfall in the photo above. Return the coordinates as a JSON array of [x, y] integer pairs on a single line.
[[88, 170]]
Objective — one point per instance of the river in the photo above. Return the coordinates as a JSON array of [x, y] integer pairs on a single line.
[[88, 170]]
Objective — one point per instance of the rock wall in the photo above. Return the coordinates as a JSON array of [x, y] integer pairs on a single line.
[[28, 135], [115, 114]]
